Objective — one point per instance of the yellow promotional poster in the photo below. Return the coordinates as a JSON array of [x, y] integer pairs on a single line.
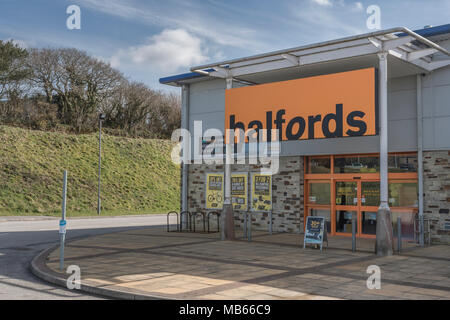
[[214, 191], [261, 192], [239, 191]]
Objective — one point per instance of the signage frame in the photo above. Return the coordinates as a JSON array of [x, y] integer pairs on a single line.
[[245, 208], [207, 191], [269, 210], [315, 237], [374, 123]]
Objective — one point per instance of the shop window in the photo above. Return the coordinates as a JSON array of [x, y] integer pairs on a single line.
[[402, 163], [369, 222], [344, 221], [319, 165], [407, 220], [326, 213], [319, 193], [370, 193], [403, 194], [370, 164], [346, 193]]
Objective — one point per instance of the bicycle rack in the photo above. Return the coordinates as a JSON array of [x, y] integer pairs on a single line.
[[204, 218], [218, 219], [178, 220], [188, 222]]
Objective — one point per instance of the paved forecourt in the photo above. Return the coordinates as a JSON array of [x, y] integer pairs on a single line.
[[152, 263]]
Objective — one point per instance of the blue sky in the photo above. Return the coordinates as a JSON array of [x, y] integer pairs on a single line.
[[149, 39]]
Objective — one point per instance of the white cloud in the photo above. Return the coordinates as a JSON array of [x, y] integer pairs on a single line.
[[325, 24], [169, 51], [354, 6], [325, 3], [357, 6], [194, 19]]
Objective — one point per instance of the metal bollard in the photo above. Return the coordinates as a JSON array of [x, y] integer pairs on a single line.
[[271, 222], [399, 234], [249, 236], [62, 232], [245, 225], [353, 235]]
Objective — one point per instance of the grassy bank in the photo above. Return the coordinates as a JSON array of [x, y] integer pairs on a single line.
[[137, 174]]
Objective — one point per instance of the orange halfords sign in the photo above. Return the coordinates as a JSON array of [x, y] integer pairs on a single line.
[[328, 106]]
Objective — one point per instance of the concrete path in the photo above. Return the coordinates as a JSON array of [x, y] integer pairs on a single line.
[[151, 263]]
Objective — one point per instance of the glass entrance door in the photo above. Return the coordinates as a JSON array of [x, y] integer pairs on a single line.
[[356, 199], [347, 194], [370, 202]]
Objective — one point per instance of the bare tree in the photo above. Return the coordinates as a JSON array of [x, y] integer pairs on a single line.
[[68, 86], [75, 81], [141, 111], [166, 116]]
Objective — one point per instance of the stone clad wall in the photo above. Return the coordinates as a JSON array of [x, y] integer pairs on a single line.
[[288, 202], [437, 194], [287, 195]]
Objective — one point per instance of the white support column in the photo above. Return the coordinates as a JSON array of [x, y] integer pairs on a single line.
[[420, 156], [384, 204], [227, 214], [228, 160], [384, 241]]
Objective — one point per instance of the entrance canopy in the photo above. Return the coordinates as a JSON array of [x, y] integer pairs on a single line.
[[409, 53]]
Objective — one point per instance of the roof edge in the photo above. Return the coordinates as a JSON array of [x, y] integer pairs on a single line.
[[173, 80], [426, 32]]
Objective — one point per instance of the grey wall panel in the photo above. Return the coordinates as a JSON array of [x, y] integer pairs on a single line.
[[402, 105], [208, 101], [330, 146], [442, 133], [400, 84], [403, 135], [427, 102], [210, 120], [428, 133], [207, 104], [442, 101], [212, 84], [439, 77], [436, 110], [207, 96]]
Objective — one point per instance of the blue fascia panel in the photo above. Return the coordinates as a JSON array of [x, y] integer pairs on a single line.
[[184, 76], [429, 32]]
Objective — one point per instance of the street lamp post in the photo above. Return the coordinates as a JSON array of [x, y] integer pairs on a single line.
[[101, 117]]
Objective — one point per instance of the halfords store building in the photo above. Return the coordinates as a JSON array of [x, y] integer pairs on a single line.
[[364, 124]]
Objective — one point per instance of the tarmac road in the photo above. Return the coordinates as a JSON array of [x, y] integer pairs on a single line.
[[21, 239]]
